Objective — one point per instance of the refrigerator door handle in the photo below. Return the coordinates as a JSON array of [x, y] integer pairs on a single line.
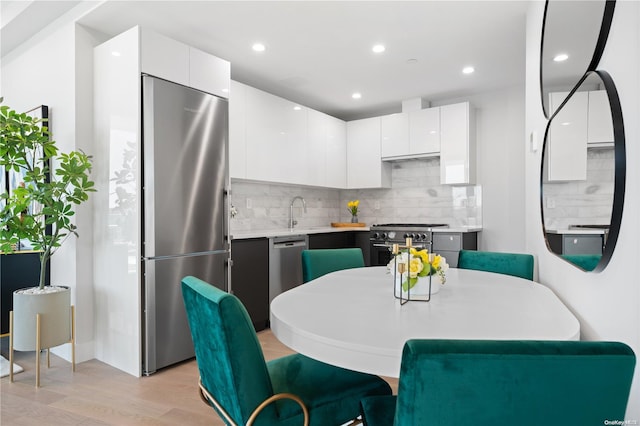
[[226, 225], [174, 256]]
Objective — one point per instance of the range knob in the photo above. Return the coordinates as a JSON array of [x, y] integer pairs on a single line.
[[376, 235], [383, 236], [406, 235], [423, 236]]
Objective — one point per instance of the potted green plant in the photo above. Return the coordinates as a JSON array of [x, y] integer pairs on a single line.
[[39, 210]]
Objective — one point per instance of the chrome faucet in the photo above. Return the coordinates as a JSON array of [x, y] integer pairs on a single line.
[[292, 221]]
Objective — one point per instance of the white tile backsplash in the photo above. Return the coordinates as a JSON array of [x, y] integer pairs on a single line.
[[583, 202], [416, 196]]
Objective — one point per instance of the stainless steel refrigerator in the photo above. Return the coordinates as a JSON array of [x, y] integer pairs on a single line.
[[185, 210]]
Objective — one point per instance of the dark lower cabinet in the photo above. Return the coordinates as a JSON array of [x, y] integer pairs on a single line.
[[250, 278], [344, 239]]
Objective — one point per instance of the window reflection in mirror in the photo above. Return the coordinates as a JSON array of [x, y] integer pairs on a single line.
[[583, 173], [573, 36]]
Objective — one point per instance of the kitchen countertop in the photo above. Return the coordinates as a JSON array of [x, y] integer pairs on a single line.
[[594, 231], [243, 235], [458, 229]]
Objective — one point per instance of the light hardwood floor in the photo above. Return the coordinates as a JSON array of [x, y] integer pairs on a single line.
[[97, 394]]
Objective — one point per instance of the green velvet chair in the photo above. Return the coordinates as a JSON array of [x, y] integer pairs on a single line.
[[319, 262], [588, 262], [246, 390], [518, 265], [524, 383]]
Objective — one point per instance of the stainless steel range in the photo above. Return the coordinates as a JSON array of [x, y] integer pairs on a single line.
[[382, 237]]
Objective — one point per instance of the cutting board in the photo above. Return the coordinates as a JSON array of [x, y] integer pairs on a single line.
[[348, 224]]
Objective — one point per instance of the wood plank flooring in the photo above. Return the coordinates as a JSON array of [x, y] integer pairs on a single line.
[[98, 394]]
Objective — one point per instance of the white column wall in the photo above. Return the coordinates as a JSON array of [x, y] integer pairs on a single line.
[[51, 69], [607, 304]]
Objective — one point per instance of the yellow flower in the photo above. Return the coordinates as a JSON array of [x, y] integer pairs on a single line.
[[436, 261], [422, 254], [352, 206], [415, 267]]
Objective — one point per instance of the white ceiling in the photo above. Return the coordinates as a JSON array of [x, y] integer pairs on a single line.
[[319, 52]]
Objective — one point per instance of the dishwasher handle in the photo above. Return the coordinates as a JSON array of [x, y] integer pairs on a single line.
[[289, 244]]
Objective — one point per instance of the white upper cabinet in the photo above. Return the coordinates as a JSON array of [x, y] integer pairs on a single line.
[[411, 134], [600, 122], [326, 150], [364, 166], [316, 148], [457, 144], [274, 140], [209, 73], [276, 132], [171, 60], [424, 131], [163, 57], [566, 150], [394, 131], [336, 153], [237, 128]]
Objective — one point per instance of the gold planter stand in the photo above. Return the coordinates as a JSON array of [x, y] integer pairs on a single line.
[[39, 348]]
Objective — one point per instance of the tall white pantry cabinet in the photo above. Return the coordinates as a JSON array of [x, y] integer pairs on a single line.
[[118, 66]]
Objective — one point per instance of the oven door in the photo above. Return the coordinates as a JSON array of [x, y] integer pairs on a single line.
[[380, 254]]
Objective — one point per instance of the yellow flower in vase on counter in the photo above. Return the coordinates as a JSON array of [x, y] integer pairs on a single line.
[[352, 206]]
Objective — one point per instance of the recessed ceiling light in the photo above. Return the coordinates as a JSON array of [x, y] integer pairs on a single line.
[[225, 90], [412, 61], [378, 48], [468, 70], [356, 95], [259, 47], [297, 108], [561, 57], [115, 53]]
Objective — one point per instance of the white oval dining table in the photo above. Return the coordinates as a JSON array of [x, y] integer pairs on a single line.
[[351, 319]]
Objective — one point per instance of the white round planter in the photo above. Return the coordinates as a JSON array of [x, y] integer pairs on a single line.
[[54, 306]]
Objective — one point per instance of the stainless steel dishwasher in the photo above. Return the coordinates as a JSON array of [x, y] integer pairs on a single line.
[[285, 263]]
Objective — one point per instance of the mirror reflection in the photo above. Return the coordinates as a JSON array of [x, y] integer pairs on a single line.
[[573, 37], [579, 173]]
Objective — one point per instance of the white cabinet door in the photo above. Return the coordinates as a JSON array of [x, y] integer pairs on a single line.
[[209, 73], [457, 144], [336, 153], [163, 57], [566, 150], [394, 130], [275, 138], [364, 166], [316, 147], [600, 122], [237, 128], [424, 131]]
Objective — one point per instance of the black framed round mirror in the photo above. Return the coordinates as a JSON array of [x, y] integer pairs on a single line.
[[583, 172], [574, 34]]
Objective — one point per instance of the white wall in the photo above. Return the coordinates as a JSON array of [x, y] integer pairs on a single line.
[[500, 147], [607, 303], [50, 69]]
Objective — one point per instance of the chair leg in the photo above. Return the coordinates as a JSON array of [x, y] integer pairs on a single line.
[[11, 346]]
